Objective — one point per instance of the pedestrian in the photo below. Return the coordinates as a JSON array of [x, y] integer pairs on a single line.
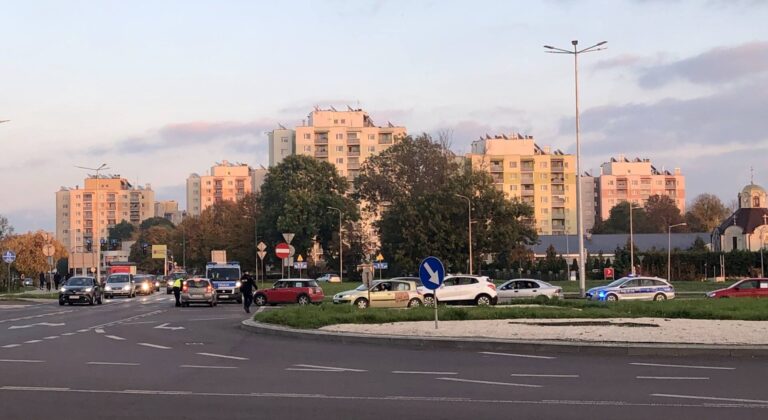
[[57, 280], [42, 280], [246, 288], [177, 290]]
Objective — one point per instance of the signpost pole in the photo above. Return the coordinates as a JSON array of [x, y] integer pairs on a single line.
[[9, 277], [435, 310]]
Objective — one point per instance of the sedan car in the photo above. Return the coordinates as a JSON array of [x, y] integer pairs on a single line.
[[330, 278], [80, 290], [462, 288], [198, 290], [121, 284], [28, 282], [528, 289], [400, 292], [633, 288], [745, 288], [145, 284], [301, 291]]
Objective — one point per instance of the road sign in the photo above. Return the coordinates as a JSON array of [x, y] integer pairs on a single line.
[[282, 251], [9, 256], [48, 250], [291, 250], [261, 246], [159, 252], [261, 254], [300, 265], [300, 258], [608, 273], [380, 265], [288, 237], [431, 273], [379, 257]]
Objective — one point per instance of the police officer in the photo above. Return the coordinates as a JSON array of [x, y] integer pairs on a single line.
[[246, 288], [177, 291]]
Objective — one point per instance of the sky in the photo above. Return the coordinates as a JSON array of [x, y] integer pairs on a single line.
[[158, 90]]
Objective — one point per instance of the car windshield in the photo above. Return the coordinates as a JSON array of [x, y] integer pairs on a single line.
[[79, 281], [616, 283], [197, 284], [122, 278], [361, 288], [223, 274]]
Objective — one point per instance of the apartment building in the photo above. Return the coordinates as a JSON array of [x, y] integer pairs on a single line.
[[344, 138], [169, 209], [523, 170], [635, 180], [226, 181], [282, 143], [102, 203], [589, 200]]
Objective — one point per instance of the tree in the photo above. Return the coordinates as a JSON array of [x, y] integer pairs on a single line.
[[705, 213], [662, 212], [618, 221], [155, 221], [5, 227], [122, 231], [29, 252]]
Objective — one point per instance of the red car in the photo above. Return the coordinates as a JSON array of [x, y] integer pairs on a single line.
[[744, 288], [301, 291]]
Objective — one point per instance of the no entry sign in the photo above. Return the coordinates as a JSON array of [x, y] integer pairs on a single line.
[[282, 250]]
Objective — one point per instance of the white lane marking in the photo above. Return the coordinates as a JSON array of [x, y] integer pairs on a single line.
[[223, 356], [165, 326], [51, 337], [411, 372], [99, 331], [139, 323], [21, 361], [207, 367], [212, 319], [34, 316], [83, 330], [34, 388], [488, 382], [314, 370], [10, 346], [154, 346], [683, 366], [331, 368], [113, 363], [492, 353], [675, 378], [43, 324], [114, 337], [68, 333], [32, 341], [261, 309], [697, 397], [533, 375]]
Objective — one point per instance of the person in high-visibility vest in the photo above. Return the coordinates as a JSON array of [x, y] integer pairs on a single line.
[[177, 291]]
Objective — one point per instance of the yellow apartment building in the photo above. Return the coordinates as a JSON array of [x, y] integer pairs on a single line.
[[522, 170], [226, 181]]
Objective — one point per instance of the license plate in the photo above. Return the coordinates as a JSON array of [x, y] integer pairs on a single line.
[[74, 297], [195, 296]]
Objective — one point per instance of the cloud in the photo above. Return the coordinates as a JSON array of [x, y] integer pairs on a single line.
[[625, 60], [715, 67]]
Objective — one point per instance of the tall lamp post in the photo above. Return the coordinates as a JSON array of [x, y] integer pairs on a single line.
[[762, 246], [632, 237], [96, 241], [341, 245], [469, 228], [669, 249], [579, 213]]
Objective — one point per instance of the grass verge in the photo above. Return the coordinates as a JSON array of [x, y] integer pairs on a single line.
[[307, 317], [52, 295]]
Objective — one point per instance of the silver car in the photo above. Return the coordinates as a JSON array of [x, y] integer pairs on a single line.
[[121, 284], [633, 288], [528, 289]]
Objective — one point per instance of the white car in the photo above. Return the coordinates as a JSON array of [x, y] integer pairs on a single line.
[[528, 289], [460, 288], [633, 288], [330, 278]]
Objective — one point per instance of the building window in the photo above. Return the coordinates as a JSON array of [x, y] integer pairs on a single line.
[[610, 182], [307, 148], [340, 136], [513, 187], [283, 152], [542, 164], [543, 187], [372, 149], [634, 182], [284, 139], [513, 164], [339, 148], [371, 136], [339, 160], [544, 200], [307, 136], [543, 176], [545, 210], [335, 121], [343, 121]]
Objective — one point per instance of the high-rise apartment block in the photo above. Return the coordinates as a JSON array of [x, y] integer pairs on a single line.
[[344, 138], [282, 143], [225, 182], [169, 210], [634, 181], [521, 169], [102, 203]]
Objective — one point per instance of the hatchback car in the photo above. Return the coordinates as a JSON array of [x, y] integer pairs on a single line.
[[80, 290], [198, 290], [528, 289], [633, 288], [400, 292], [757, 288], [301, 291], [461, 288], [145, 284], [121, 284]]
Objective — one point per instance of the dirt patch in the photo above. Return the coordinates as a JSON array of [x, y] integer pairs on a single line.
[[586, 324]]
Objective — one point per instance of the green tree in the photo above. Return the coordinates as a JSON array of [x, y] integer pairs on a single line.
[[5, 227], [705, 213], [155, 221], [662, 212], [122, 231], [618, 221]]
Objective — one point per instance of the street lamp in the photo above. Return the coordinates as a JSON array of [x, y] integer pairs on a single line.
[[469, 228], [97, 231], [632, 237], [579, 212], [669, 249], [341, 260]]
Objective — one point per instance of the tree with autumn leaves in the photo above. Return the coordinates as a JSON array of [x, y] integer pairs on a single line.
[[29, 254]]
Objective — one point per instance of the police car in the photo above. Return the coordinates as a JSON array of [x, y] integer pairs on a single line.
[[633, 288]]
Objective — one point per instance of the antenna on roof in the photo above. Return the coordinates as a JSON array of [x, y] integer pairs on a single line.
[[349, 108], [334, 109], [282, 127], [317, 108], [390, 125]]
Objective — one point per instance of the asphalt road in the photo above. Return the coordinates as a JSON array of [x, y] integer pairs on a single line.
[[144, 358]]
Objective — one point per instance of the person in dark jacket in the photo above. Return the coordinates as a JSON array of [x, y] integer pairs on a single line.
[[42, 280], [57, 280], [246, 288]]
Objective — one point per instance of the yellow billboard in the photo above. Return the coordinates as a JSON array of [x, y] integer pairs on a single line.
[[159, 251]]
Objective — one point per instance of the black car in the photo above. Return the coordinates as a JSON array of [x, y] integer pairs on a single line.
[[80, 290]]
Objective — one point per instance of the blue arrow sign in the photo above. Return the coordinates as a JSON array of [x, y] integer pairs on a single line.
[[9, 257], [431, 273], [380, 265]]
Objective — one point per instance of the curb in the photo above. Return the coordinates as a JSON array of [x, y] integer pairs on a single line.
[[459, 343]]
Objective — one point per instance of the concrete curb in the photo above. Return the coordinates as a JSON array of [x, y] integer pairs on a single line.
[[518, 346]]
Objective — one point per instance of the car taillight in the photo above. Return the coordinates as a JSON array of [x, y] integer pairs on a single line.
[[491, 285], [185, 288], [317, 290], [209, 289]]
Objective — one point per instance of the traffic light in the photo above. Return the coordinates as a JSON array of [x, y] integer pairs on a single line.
[[88, 245]]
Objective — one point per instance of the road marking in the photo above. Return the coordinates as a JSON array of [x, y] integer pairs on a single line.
[[113, 363], [223, 356], [51, 337], [34, 388], [696, 397], [261, 309], [44, 324], [68, 333], [99, 331], [10, 346], [207, 367], [488, 382], [683, 366], [532, 375], [34, 316], [492, 353], [114, 337], [212, 319], [166, 327], [330, 368], [679, 378], [21, 361], [32, 341], [408, 372], [154, 346], [83, 330]]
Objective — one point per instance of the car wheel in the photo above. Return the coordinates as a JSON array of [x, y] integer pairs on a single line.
[[659, 297], [303, 300], [240, 299], [69, 303], [61, 303], [100, 300], [167, 291], [483, 300], [210, 304], [429, 300], [542, 298], [91, 300], [260, 300], [361, 303], [414, 303], [611, 298]]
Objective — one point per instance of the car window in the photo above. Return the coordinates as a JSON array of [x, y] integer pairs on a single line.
[[647, 282], [312, 284], [764, 284], [749, 284], [401, 287], [533, 285], [384, 286], [450, 282], [658, 283], [79, 281], [118, 279], [632, 283], [299, 284]]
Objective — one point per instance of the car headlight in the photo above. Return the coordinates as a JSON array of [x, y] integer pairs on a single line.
[[88, 289], [63, 289], [145, 286], [711, 294], [108, 288], [238, 284], [126, 287]]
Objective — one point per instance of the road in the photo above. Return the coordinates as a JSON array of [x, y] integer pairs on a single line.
[[143, 358]]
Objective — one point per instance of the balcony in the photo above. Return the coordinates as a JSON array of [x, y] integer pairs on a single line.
[[526, 167], [352, 140], [497, 178], [558, 190], [497, 167], [526, 179], [321, 140], [353, 166], [527, 192], [558, 202], [558, 214], [557, 166], [353, 153], [385, 138], [558, 180], [321, 153]]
